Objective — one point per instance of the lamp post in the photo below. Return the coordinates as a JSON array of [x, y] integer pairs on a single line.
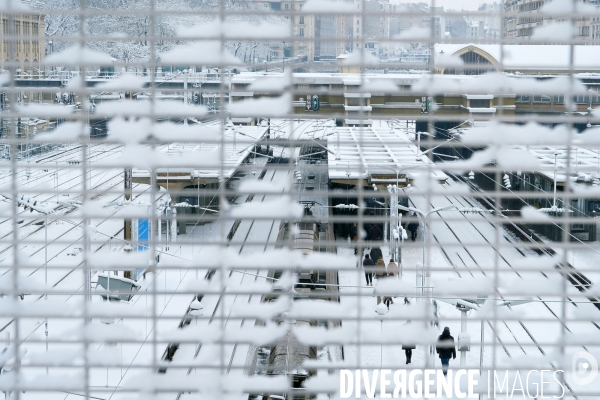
[[283, 57], [397, 172], [554, 197]]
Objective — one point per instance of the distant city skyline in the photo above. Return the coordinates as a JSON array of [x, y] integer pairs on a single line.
[[451, 4]]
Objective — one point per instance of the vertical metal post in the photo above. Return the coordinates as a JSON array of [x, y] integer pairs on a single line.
[[159, 228], [46, 253], [268, 136], [174, 225], [46, 276], [463, 329], [481, 353], [127, 182], [418, 146], [554, 200], [423, 264], [185, 86], [381, 345]]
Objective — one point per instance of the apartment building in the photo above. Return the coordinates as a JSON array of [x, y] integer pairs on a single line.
[[526, 15], [319, 37]]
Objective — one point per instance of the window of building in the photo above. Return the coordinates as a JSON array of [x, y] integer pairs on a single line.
[[286, 7], [480, 103], [301, 31], [541, 99], [301, 19], [18, 33]]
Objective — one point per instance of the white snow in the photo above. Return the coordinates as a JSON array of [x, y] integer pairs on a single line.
[[77, 55], [145, 108], [264, 107], [328, 6], [235, 30], [270, 84], [12, 6], [65, 132], [122, 83], [45, 110], [555, 32], [413, 34], [207, 53], [357, 58], [531, 214], [448, 60]]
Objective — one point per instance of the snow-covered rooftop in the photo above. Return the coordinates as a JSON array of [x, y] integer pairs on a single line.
[[378, 155], [237, 143]]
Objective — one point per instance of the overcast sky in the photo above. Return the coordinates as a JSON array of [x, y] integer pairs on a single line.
[[451, 4]]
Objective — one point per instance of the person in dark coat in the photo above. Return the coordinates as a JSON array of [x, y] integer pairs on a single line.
[[408, 348], [445, 349], [375, 233], [412, 228], [368, 266], [375, 254]]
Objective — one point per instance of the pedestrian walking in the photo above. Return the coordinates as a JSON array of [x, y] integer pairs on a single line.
[[380, 271], [408, 348], [392, 269], [375, 233], [368, 266], [375, 254], [445, 349], [412, 227]]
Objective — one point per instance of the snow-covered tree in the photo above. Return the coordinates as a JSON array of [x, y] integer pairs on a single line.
[[126, 37]]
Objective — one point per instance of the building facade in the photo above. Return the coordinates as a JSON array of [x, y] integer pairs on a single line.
[[29, 43], [526, 15]]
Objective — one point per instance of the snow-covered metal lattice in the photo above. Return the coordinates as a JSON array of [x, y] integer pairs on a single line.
[[189, 190]]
